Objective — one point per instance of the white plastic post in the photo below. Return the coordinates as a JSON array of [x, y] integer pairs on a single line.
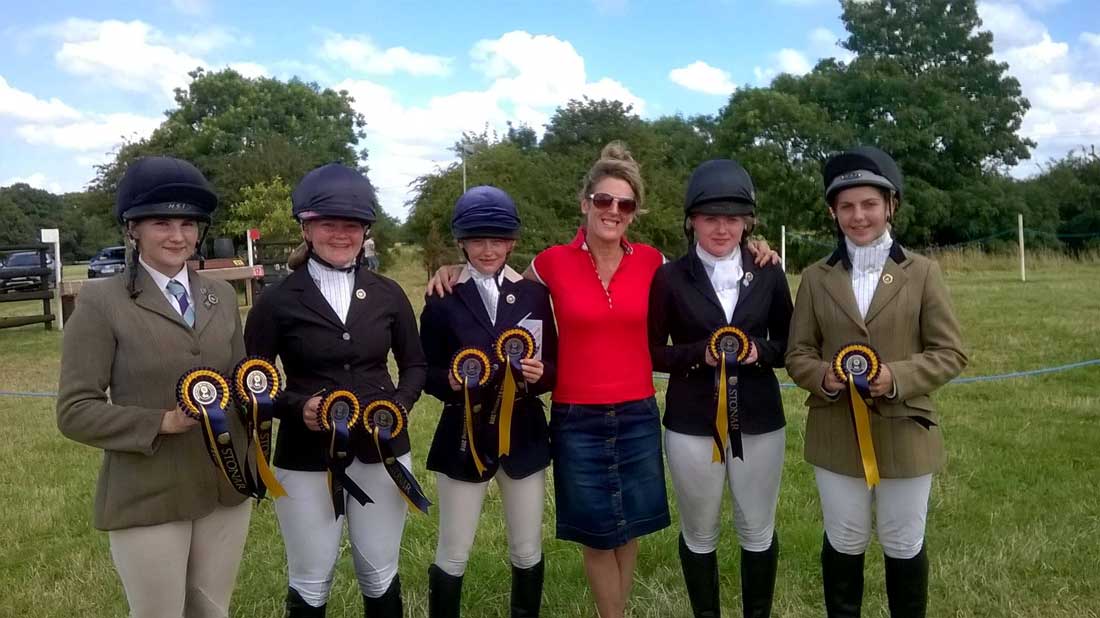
[[783, 247], [251, 235], [1020, 230], [53, 236]]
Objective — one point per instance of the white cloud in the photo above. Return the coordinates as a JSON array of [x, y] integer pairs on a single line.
[[702, 77], [37, 180], [250, 69], [1061, 81], [210, 39], [786, 60], [25, 106], [101, 132], [128, 55], [528, 76], [361, 54]]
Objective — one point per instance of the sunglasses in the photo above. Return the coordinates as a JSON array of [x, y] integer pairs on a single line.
[[603, 201]]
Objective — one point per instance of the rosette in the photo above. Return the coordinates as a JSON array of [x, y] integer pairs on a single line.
[[338, 415], [730, 346], [256, 383], [470, 368], [203, 394], [512, 346], [384, 420], [857, 365]]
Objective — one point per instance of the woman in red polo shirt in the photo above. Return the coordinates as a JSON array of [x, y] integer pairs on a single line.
[[605, 431]]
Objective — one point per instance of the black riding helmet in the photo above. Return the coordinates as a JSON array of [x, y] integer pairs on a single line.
[[718, 187], [485, 212], [334, 191], [164, 187], [862, 166]]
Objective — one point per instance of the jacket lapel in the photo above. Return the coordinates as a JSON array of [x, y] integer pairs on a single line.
[[506, 311], [701, 282], [468, 294], [749, 283], [364, 280], [891, 282], [310, 296], [152, 299], [838, 283], [201, 294]]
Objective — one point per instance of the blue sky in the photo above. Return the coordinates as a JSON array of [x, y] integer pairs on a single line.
[[75, 77]]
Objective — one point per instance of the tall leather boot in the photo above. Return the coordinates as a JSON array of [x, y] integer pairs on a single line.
[[444, 594], [701, 578], [298, 608], [758, 570], [907, 585], [386, 606], [842, 576], [527, 590]]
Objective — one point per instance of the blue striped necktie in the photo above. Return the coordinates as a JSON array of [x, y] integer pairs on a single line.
[[176, 289]]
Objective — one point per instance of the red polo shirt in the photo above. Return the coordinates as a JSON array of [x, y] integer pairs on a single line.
[[603, 349]]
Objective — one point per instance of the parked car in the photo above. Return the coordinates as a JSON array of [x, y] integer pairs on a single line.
[[20, 271], [109, 261]]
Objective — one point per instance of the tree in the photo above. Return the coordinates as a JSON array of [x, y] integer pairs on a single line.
[[266, 206], [241, 132]]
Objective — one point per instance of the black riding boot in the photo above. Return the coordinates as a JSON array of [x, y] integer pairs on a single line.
[[758, 580], [444, 594], [842, 576], [297, 608], [907, 585], [527, 590], [386, 606], [701, 578]]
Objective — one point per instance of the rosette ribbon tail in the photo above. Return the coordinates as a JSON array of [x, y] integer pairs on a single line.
[[339, 459], [858, 393], [507, 404], [406, 483], [261, 442], [466, 388], [720, 431], [219, 443]]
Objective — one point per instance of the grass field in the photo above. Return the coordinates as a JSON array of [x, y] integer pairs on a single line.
[[1014, 523]]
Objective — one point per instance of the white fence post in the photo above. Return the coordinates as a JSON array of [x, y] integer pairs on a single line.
[[783, 247], [1020, 230], [53, 237]]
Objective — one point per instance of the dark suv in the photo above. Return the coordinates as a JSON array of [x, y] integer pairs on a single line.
[[109, 261], [20, 271]]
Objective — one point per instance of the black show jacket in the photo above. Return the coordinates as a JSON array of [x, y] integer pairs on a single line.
[[294, 322], [683, 304], [460, 320]]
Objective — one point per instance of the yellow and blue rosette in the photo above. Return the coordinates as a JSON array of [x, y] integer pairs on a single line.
[[470, 368], [384, 420], [256, 383], [203, 394], [857, 365], [731, 346], [512, 346], [339, 416]]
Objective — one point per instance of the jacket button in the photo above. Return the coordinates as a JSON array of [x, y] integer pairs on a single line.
[[194, 351], [346, 336], [347, 367]]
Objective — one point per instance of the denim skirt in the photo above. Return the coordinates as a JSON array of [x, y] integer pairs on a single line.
[[609, 476]]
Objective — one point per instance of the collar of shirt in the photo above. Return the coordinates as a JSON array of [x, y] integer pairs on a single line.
[[870, 258], [162, 281], [724, 272], [580, 242]]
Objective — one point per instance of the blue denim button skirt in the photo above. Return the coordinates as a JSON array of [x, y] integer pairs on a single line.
[[609, 476]]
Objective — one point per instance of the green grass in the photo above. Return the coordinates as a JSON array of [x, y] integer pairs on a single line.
[[1013, 524]]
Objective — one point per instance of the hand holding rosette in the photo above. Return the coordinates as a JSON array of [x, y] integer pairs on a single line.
[[339, 414], [857, 365], [203, 394], [512, 346], [470, 368], [730, 346]]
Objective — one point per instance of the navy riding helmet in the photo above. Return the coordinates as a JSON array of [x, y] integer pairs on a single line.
[[485, 212]]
